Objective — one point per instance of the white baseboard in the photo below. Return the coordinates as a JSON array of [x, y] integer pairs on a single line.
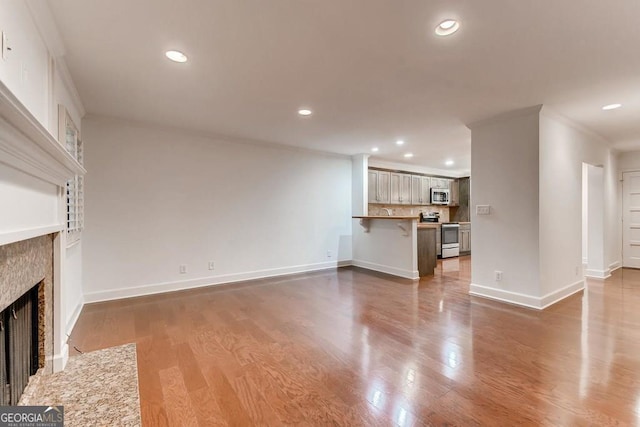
[[406, 274], [597, 274], [614, 266], [60, 360], [74, 316], [556, 296], [158, 288], [504, 296], [538, 303]]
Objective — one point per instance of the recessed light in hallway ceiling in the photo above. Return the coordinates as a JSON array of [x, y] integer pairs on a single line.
[[447, 27], [611, 107], [449, 163], [375, 149], [408, 155], [305, 112], [399, 142], [176, 56]]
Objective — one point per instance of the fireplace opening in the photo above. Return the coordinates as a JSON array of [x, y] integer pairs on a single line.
[[19, 345]]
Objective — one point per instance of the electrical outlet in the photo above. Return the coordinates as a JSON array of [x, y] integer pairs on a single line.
[[328, 254], [577, 270], [483, 210], [183, 269], [498, 275], [211, 265]]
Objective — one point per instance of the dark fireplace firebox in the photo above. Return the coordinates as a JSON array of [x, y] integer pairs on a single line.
[[19, 355]]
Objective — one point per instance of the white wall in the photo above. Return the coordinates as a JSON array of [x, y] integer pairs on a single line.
[[73, 293], [158, 198], [504, 161], [387, 248], [585, 211], [33, 203], [360, 187], [628, 161], [529, 166], [564, 147], [26, 70]]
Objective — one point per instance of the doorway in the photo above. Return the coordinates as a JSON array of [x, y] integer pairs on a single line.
[[631, 219]]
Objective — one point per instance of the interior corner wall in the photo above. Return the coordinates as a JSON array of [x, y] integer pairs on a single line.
[[157, 199], [504, 161], [563, 149], [359, 181]]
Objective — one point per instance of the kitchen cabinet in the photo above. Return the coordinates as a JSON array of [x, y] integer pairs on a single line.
[[454, 193], [400, 193], [379, 186], [440, 183], [427, 258], [464, 237], [420, 190], [461, 212]]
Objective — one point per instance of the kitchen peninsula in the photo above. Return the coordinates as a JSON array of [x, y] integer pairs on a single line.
[[397, 245]]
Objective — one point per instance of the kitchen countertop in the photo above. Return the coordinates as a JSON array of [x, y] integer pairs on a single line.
[[428, 225], [385, 217]]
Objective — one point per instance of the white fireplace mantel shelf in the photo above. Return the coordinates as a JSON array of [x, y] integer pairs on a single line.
[[27, 145]]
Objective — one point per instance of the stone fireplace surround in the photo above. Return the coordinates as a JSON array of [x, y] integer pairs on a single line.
[[34, 169], [23, 265]]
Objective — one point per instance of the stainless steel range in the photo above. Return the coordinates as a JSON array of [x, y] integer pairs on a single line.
[[450, 242]]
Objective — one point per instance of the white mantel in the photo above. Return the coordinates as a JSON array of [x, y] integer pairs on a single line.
[[39, 166]]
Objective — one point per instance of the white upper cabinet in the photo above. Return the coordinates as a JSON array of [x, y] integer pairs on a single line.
[[379, 186], [420, 186], [440, 183], [400, 189]]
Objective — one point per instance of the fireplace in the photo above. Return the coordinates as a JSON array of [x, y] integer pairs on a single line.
[[19, 345], [34, 169], [26, 313]]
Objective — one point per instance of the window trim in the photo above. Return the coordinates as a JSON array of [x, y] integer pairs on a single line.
[[75, 186]]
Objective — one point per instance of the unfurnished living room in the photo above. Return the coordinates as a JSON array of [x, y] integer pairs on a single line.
[[304, 212]]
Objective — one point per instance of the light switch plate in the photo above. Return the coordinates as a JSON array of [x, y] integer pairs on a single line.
[[483, 210]]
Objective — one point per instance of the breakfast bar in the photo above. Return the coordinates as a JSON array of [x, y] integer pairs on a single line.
[[397, 245]]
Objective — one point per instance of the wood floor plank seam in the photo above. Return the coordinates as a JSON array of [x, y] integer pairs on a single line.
[[351, 347]]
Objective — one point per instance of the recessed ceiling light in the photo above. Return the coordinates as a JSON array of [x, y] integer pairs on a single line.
[[375, 149], [399, 142], [447, 27], [611, 106], [176, 56], [408, 155], [449, 163], [305, 112]]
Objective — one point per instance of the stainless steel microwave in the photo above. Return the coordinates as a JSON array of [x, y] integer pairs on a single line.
[[439, 196]]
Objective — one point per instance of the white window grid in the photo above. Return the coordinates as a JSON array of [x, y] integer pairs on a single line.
[[75, 186]]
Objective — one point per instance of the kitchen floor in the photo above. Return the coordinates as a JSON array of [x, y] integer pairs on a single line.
[[351, 347]]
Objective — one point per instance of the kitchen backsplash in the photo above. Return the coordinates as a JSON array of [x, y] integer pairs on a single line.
[[396, 210]]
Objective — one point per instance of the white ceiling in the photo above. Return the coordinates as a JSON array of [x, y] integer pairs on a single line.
[[371, 70]]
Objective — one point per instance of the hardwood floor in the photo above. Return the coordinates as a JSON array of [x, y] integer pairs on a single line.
[[351, 347]]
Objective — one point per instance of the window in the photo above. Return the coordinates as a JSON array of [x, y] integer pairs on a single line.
[[70, 138]]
